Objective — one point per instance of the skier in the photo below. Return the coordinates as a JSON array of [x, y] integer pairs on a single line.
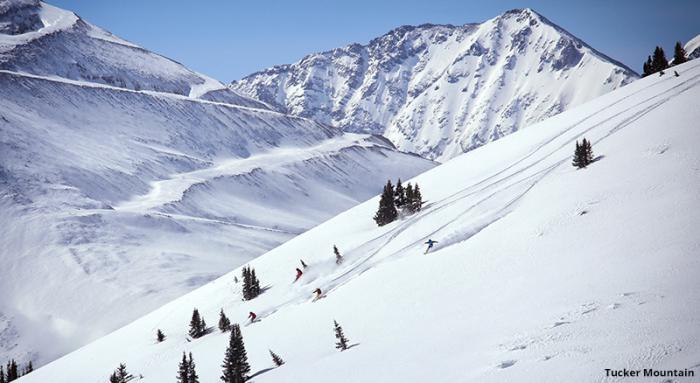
[[430, 244], [299, 274], [252, 316], [304, 265], [317, 294], [676, 73]]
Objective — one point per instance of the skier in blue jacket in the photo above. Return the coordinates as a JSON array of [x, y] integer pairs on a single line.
[[430, 244]]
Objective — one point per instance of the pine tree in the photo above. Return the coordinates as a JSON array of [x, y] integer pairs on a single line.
[[679, 55], [583, 154], [338, 257], [647, 67], [387, 210], [191, 373], [120, 375], [410, 195], [246, 283], [254, 284], [587, 152], [342, 343], [578, 161], [160, 336], [251, 284], [224, 322], [417, 201], [658, 61], [276, 359], [198, 327], [12, 371], [2, 375], [183, 370], [399, 195], [235, 366]]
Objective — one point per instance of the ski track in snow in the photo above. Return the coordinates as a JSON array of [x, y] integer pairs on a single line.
[[511, 180], [514, 182]]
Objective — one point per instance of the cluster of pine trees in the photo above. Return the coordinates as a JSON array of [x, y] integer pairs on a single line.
[[583, 154], [13, 372], [251, 284], [186, 370], [394, 200], [198, 327], [657, 62]]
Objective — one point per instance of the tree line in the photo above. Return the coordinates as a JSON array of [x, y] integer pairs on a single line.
[[12, 372], [657, 62]]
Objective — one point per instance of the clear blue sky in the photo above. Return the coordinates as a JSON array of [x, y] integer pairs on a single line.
[[228, 39]]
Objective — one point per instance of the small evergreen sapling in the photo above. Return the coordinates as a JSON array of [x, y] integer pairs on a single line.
[[342, 341], [121, 375], [276, 359], [224, 322], [338, 257], [235, 366]]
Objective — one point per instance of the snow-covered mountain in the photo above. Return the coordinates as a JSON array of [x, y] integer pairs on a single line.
[[44, 40], [441, 90], [692, 47], [125, 182], [541, 273]]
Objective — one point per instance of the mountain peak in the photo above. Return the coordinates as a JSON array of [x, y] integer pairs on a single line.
[[441, 90]]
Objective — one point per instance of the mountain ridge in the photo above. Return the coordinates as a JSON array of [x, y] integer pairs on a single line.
[[392, 85]]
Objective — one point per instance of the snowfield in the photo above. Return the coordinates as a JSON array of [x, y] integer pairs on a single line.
[[542, 273]]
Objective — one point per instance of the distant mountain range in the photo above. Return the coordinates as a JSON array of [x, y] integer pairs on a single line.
[[441, 90]]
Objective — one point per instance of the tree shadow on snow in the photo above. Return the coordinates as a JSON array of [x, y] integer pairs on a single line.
[[352, 345], [261, 372]]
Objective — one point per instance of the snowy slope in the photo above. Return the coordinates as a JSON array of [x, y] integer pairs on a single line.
[[41, 39], [692, 47], [118, 196], [542, 273], [441, 90]]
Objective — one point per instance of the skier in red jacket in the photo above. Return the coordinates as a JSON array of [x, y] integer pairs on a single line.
[[252, 316], [299, 274]]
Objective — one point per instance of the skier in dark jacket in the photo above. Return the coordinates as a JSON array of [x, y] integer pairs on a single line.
[[303, 264], [299, 274], [430, 244]]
